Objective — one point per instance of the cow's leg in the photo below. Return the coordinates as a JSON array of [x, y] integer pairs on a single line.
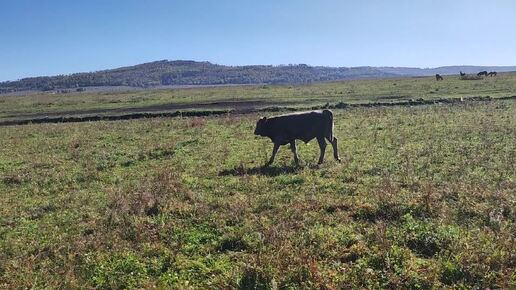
[[274, 151], [294, 150], [322, 146], [335, 150]]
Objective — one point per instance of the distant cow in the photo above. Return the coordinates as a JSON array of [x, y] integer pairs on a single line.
[[482, 73], [492, 74], [438, 77], [462, 74], [285, 129]]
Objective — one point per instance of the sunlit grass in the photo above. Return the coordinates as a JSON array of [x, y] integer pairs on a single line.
[[424, 198]]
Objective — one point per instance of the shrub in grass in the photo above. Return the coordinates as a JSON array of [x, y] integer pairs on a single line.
[[425, 238], [451, 272], [119, 272], [148, 198], [254, 279]]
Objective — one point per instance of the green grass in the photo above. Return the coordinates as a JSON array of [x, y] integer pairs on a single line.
[[358, 91], [424, 198]]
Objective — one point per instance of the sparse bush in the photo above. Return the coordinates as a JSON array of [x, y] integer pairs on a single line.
[[14, 179], [256, 280], [426, 238], [73, 148], [152, 197], [452, 273], [234, 244], [386, 210], [196, 122]]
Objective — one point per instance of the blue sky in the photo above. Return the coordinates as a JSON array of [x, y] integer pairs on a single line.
[[48, 37]]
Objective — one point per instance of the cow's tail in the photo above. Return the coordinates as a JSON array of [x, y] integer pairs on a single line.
[[328, 117]]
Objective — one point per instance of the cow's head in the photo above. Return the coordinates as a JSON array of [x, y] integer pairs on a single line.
[[260, 126]]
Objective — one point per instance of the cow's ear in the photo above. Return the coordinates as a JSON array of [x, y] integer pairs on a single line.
[[264, 118]]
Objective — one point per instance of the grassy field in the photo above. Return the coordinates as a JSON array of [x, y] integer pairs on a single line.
[[424, 197], [358, 91]]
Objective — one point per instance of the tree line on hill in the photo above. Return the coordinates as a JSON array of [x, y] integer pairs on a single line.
[[170, 73], [184, 72]]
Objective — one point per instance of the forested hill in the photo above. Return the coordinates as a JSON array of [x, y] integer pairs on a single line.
[[180, 72]]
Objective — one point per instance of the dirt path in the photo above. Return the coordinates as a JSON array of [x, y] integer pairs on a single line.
[[213, 108], [220, 105]]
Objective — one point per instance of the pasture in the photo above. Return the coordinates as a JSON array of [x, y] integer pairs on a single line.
[[424, 197], [351, 92]]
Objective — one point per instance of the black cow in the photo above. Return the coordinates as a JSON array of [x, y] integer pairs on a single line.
[[482, 73], [492, 74], [285, 129], [438, 77], [462, 74]]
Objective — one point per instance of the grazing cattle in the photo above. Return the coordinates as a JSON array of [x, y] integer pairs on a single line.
[[492, 74], [438, 77], [462, 74], [482, 73], [286, 129]]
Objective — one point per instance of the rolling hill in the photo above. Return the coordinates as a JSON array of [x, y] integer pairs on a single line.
[[193, 73]]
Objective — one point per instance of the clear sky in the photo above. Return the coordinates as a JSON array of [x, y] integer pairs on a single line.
[[48, 37]]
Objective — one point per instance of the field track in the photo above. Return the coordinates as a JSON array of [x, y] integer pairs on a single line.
[[212, 108]]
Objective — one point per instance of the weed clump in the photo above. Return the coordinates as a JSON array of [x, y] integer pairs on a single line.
[[149, 198], [15, 179], [119, 272], [426, 238], [254, 279], [196, 122], [234, 244]]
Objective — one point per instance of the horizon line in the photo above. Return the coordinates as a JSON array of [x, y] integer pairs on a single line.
[[244, 65]]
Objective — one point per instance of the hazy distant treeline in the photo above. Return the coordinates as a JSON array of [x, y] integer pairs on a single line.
[[181, 72], [190, 73]]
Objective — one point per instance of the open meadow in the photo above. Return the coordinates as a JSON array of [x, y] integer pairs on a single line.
[[254, 96], [424, 197]]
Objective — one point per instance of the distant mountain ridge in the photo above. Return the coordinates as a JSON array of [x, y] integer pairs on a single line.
[[187, 72]]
